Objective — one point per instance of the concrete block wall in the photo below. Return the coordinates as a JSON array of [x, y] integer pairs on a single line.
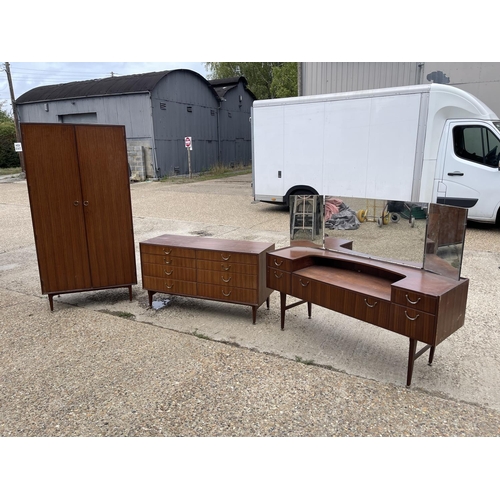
[[140, 159]]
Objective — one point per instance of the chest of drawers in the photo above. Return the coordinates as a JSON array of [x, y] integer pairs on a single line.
[[207, 268]]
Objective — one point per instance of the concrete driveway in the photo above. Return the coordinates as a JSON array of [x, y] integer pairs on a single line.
[[466, 367]]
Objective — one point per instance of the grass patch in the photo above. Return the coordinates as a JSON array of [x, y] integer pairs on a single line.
[[215, 172], [10, 171], [120, 314], [200, 335], [304, 361]]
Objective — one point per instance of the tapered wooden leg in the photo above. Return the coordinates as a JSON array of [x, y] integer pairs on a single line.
[[254, 314], [267, 302], [150, 296], [51, 301], [130, 292], [283, 309], [431, 355], [309, 309], [411, 360]]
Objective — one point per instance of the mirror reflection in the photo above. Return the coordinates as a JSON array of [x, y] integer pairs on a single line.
[[422, 235], [384, 229], [445, 240]]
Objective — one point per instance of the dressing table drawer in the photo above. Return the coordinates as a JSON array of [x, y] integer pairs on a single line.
[[415, 300], [413, 323]]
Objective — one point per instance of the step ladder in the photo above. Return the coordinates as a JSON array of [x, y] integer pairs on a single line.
[[303, 220]]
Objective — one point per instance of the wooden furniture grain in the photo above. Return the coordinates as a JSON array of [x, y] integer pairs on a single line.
[[206, 268], [79, 191], [420, 305]]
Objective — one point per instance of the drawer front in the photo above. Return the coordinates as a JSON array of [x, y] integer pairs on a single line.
[[311, 290], [413, 323], [167, 260], [173, 287], [168, 250], [279, 280], [415, 300], [228, 294], [278, 263], [227, 257], [169, 272], [372, 310], [212, 265], [227, 279]]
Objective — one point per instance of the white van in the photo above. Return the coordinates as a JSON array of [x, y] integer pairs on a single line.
[[422, 143]]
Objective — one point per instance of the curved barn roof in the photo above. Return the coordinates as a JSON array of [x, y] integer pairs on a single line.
[[116, 85], [223, 85]]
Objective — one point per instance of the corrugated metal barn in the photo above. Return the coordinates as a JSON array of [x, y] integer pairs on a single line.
[[158, 110], [482, 79]]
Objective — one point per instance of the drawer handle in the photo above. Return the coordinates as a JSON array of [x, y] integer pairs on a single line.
[[276, 275], [169, 286], [225, 268], [370, 305], [226, 281], [225, 258], [412, 319], [169, 273], [276, 263], [300, 281], [75, 203], [411, 301], [167, 253], [167, 261], [226, 294]]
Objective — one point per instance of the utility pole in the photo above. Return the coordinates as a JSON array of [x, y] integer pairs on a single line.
[[14, 111]]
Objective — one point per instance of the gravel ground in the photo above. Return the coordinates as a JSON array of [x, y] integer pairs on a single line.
[[86, 370]]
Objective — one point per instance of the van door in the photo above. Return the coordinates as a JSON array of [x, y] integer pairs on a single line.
[[471, 175]]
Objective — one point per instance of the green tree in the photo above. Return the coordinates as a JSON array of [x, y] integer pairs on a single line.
[[267, 80], [8, 156]]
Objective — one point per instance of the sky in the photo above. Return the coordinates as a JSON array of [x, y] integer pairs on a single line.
[[28, 75], [80, 45]]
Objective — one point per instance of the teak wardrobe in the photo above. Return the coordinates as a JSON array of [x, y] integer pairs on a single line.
[[79, 191]]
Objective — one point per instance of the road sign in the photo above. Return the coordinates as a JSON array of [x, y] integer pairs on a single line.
[[188, 143], [18, 147]]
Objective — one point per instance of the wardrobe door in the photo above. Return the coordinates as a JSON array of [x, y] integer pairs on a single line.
[[102, 156], [56, 206]]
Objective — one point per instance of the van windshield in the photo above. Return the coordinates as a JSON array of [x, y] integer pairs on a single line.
[[497, 125]]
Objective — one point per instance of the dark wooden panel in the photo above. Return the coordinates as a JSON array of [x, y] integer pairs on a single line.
[[227, 256], [415, 300], [227, 293], [227, 279], [212, 265], [279, 280], [102, 155], [56, 206], [173, 287], [167, 260], [167, 250], [414, 324], [170, 272], [373, 310]]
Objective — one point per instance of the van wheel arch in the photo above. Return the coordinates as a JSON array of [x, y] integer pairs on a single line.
[[295, 190]]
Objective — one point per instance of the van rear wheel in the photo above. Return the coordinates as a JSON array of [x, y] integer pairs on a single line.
[[304, 192]]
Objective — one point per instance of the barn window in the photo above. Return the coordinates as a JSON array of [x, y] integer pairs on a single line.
[[229, 115], [163, 106], [212, 112], [190, 109]]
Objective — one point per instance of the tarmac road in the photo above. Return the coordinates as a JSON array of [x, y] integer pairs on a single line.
[[201, 368]]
